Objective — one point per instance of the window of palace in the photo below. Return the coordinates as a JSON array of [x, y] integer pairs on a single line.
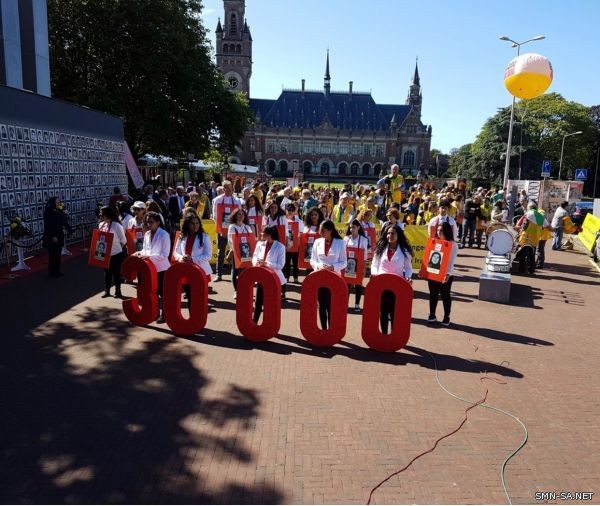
[[271, 145], [295, 147], [409, 159], [355, 147], [344, 148]]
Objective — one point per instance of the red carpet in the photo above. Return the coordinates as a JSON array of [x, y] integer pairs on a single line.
[[37, 262]]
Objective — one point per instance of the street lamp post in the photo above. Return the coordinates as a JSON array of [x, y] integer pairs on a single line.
[[512, 108], [562, 149]]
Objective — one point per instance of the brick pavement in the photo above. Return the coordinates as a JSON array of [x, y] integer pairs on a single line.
[[98, 411]]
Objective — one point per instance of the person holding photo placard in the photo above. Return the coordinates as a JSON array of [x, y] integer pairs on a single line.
[[110, 223], [445, 232], [291, 257], [255, 212], [356, 238], [238, 224], [222, 208]]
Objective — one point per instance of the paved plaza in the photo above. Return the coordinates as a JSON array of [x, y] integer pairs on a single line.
[[95, 410]]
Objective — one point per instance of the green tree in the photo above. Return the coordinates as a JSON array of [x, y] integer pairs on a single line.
[[149, 62], [544, 121]]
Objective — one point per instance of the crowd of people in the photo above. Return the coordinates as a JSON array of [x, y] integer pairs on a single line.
[[270, 211]]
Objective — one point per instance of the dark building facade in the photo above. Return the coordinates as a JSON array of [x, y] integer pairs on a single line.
[[337, 135]]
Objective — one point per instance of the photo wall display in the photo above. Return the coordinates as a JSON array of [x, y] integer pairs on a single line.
[[36, 164]]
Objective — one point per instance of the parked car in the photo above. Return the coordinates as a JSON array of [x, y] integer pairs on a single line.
[[579, 211]]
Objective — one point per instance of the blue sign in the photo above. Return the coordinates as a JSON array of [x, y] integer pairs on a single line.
[[546, 168], [581, 174]]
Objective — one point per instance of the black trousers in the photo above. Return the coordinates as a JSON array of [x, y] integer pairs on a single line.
[[324, 299], [469, 230], [54, 254], [435, 290], [358, 291], [541, 254], [260, 300], [113, 273], [291, 265], [388, 303], [222, 245]]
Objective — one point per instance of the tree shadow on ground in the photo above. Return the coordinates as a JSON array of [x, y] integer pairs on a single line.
[[93, 415], [288, 345]]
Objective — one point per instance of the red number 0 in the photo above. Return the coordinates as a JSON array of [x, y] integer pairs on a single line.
[[142, 269]]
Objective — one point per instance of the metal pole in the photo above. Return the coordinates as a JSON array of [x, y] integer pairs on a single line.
[[561, 156], [521, 150], [596, 174], [508, 146]]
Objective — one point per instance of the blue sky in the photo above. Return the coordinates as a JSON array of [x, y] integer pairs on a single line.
[[461, 60]]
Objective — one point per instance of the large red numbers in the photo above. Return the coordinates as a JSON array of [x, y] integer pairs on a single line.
[[338, 295], [400, 331], [190, 274], [271, 288], [143, 309]]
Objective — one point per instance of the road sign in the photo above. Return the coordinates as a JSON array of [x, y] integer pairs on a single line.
[[581, 174], [546, 168]]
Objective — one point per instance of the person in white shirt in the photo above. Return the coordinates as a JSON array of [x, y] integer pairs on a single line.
[[392, 255], [157, 246], [328, 253], [110, 223], [227, 203], [356, 238], [269, 253], [274, 217], [442, 218], [437, 288], [139, 214], [255, 213], [238, 224], [312, 220], [194, 245], [291, 258], [557, 225], [125, 213]]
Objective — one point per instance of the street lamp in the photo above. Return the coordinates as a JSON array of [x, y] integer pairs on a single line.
[[512, 109], [562, 149]]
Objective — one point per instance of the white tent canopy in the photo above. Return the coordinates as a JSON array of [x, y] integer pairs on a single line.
[[233, 167]]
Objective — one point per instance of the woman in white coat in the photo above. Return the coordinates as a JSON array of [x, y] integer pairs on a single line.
[[328, 253], [110, 223], [269, 253], [392, 255], [194, 246], [238, 224], [157, 247]]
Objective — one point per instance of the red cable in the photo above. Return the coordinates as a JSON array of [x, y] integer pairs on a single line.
[[436, 443]]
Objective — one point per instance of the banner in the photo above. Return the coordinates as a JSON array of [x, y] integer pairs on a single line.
[[591, 226], [417, 236], [100, 249], [436, 258], [255, 223], [223, 213], [210, 227], [243, 249]]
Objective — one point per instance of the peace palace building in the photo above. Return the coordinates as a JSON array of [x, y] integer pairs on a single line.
[[321, 134]]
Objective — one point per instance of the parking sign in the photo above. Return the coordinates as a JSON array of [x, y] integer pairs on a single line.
[[546, 168]]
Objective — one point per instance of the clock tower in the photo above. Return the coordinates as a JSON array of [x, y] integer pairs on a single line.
[[234, 46]]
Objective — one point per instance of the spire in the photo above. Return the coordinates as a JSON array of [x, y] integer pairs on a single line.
[[327, 76], [416, 79], [219, 27]]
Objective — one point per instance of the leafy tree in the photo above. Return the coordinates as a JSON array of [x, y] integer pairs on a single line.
[[149, 62], [540, 125]]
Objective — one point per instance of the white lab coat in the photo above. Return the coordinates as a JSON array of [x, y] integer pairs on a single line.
[[270, 222], [400, 264], [336, 257], [200, 254], [157, 249], [275, 258]]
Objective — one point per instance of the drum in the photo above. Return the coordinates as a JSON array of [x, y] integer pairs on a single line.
[[495, 226], [500, 242]]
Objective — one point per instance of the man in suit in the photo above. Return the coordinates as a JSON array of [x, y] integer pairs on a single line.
[[161, 197], [176, 205]]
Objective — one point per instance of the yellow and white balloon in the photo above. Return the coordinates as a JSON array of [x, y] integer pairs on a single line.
[[528, 75]]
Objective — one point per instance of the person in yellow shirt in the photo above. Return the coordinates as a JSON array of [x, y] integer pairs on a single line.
[[395, 184], [200, 204], [343, 212], [257, 192], [546, 235]]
